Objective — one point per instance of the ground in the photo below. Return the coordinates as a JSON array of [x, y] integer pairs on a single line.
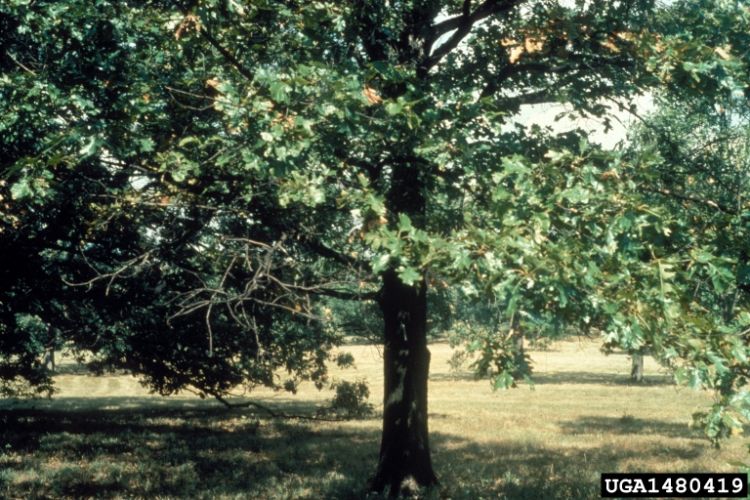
[[107, 437]]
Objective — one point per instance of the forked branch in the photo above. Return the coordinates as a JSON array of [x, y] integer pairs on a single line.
[[462, 25]]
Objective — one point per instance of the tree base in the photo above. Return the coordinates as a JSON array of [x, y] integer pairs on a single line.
[[407, 486]]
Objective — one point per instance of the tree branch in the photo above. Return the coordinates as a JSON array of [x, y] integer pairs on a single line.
[[272, 413], [575, 64], [516, 69], [327, 252], [539, 97], [693, 199], [21, 65], [462, 24], [226, 54], [347, 295]]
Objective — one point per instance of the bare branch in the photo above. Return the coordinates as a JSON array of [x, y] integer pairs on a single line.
[[327, 252], [346, 294], [211, 305], [273, 413], [133, 265], [21, 65]]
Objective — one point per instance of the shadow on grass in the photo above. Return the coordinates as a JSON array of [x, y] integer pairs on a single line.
[[193, 450], [454, 376], [580, 377], [629, 425], [566, 377], [527, 471]]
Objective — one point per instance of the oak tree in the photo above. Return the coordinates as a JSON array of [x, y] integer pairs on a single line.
[[232, 165]]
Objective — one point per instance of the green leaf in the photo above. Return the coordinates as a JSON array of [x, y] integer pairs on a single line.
[[90, 148], [179, 175], [146, 145], [394, 107], [266, 136], [381, 263], [502, 380], [404, 223], [21, 189], [408, 275], [279, 91]]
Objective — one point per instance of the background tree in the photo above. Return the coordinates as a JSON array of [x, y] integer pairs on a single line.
[[695, 145], [698, 152]]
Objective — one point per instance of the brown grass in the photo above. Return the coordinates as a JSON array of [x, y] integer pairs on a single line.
[[108, 437]]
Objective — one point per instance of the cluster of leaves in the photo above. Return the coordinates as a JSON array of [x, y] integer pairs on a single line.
[[647, 245]]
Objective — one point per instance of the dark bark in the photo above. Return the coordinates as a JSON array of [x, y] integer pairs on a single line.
[[636, 371], [404, 450]]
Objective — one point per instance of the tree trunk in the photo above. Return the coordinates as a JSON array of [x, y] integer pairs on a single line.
[[636, 370], [518, 343], [404, 449], [49, 359]]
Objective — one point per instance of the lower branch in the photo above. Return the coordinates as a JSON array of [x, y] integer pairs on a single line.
[[273, 413]]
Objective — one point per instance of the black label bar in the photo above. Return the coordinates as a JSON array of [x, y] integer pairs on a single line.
[[678, 485]]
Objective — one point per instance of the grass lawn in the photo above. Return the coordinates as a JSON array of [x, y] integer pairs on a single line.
[[107, 437]]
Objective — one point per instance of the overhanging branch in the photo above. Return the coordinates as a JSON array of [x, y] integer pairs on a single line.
[[329, 253], [692, 199], [462, 25], [347, 295], [516, 69]]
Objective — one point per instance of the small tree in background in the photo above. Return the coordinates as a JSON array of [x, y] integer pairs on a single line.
[[699, 149]]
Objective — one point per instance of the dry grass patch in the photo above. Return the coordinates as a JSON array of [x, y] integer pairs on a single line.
[[107, 437]]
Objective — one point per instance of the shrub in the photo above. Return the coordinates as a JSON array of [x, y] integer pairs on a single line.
[[350, 400]]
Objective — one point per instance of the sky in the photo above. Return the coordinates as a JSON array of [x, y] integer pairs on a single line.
[[545, 115]]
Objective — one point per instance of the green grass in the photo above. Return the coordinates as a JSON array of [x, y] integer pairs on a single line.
[[106, 437]]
